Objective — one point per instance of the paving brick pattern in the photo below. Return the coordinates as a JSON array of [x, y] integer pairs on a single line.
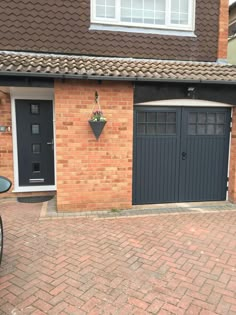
[[182, 263]]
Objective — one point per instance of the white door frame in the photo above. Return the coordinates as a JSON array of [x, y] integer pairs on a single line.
[[33, 94]]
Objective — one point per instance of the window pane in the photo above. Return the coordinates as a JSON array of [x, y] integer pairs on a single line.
[[171, 117], [175, 18], [110, 12], [192, 129], [171, 129], [36, 167], [175, 6], [100, 11], [161, 129], [202, 117], [161, 117], [138, 4], [184, 6], [34, 108], [125, 15], [151, 129], [220, 118], [179, 12], [201, 129], [35, 129], [105, 9], [125, 3], [183, 19], [137, 14], [110, 3], [159, 18], [36, 148], [160, 5], [210, 129], [192, 118], [160, 8], [149, 21], [141, 117], [141, 129], [151, 117], [220, 130], [211, 118], [149, 14], [149, 5]]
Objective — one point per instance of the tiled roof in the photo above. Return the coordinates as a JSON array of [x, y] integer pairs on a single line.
[[63, 26], [84, 67]]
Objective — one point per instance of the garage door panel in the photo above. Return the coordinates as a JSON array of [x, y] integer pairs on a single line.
[[205, 139], [157, 176], [156, 150], [203, 173]]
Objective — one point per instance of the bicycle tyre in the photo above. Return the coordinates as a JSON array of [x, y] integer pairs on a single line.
[[1, 239]]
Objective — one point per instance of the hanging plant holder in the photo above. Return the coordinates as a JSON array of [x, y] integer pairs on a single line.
[[97, 127], [97, 120]]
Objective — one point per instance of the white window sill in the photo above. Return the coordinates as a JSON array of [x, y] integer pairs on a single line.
[[118, 28]]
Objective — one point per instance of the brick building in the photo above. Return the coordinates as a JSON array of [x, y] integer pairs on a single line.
[[164, 86]]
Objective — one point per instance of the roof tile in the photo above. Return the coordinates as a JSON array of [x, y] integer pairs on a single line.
[[73, 66]]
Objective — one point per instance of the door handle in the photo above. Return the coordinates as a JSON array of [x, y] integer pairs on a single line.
[[184, 156], [50, 143]]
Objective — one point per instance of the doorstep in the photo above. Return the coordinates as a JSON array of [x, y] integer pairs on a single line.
[[48, 210]]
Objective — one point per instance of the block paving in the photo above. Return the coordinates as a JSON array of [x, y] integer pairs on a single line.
[[171, 263]]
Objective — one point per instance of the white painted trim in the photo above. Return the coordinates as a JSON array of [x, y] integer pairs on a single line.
[[34, 94], [229, 155], [168, 26], [184, 103], [116, 28], [34, 189]]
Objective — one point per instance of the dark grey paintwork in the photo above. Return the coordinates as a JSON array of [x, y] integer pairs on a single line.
[[180, 167]]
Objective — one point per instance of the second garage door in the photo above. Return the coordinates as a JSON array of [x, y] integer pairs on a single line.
[[180, 154]]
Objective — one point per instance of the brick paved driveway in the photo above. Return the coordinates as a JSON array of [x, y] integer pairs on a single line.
[[164, 264]]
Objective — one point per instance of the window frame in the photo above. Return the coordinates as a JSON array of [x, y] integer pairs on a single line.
[[168, 26]]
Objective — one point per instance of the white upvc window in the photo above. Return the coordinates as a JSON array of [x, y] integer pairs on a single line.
[[162, 14]]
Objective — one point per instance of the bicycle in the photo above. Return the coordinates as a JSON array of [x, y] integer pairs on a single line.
[[5, 185]]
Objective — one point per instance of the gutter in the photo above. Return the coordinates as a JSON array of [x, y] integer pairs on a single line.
[[112, 78]]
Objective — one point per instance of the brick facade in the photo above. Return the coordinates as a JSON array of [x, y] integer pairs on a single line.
[[223, 29], [6, 151], [91, 174]]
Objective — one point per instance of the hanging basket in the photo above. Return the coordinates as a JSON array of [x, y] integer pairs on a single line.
[[97, 127]]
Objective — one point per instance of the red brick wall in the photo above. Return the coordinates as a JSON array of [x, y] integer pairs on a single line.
[[93, 174], [232, 165], [223, 29], [6, 152]]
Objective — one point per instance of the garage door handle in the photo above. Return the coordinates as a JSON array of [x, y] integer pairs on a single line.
[[184, 155]]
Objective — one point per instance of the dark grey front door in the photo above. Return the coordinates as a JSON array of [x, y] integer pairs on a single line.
[[34, 122], [180, 154]]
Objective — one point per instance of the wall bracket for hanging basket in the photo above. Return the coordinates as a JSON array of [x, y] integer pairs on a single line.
[[97, 127]]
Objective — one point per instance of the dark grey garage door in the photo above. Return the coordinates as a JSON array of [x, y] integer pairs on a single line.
[[180, 154]]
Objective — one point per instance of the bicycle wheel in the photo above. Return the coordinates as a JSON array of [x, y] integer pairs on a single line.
[[1, 239]]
